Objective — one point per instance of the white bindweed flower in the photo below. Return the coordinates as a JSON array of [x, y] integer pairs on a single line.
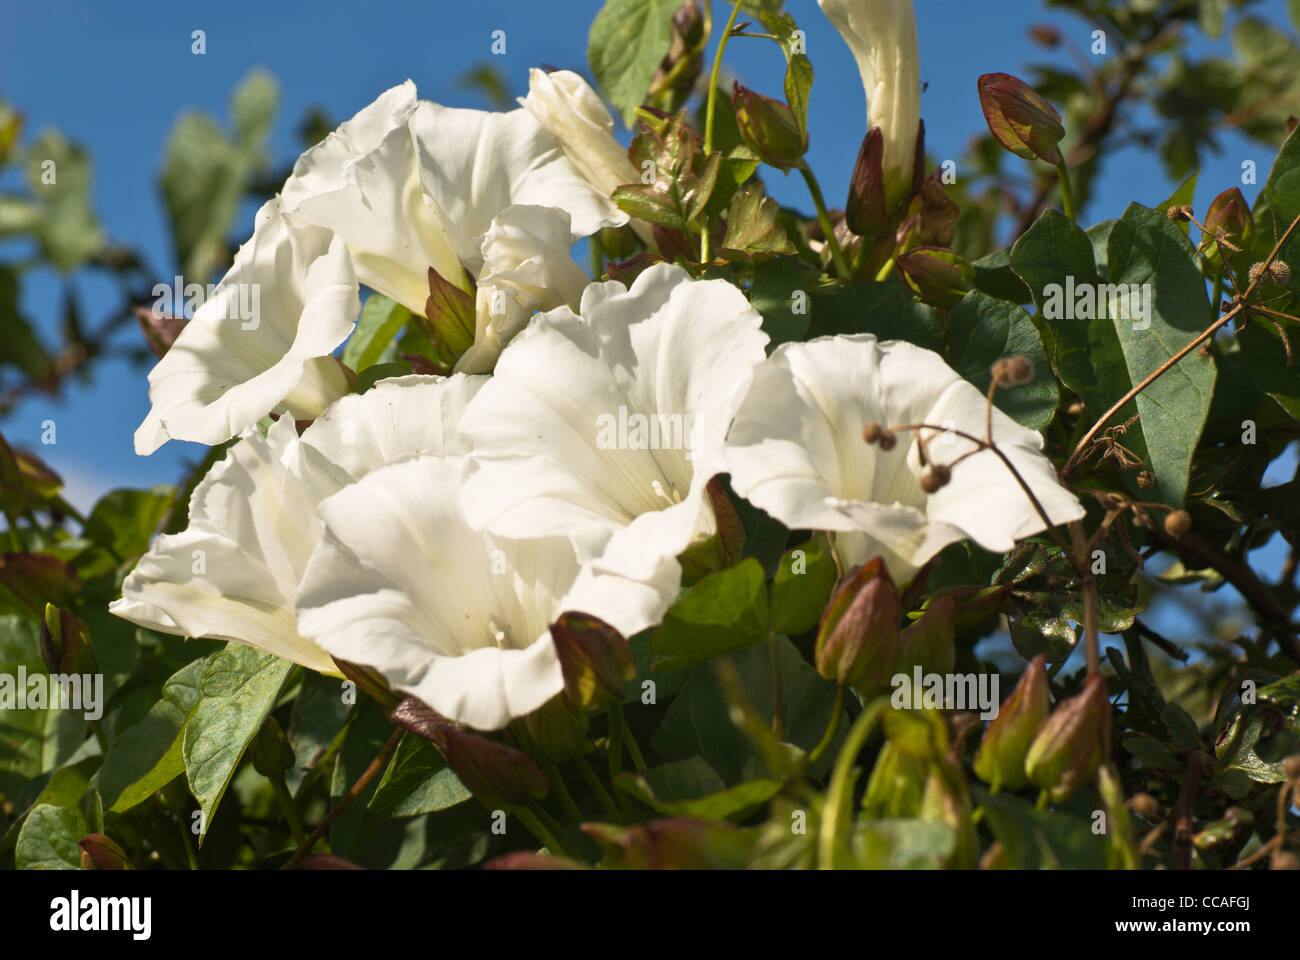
[[607, 426], [526, 267], [232, 574], [452, 615], [262, 342], [411, 185], [882, 36], [796, 450], [565, 104]]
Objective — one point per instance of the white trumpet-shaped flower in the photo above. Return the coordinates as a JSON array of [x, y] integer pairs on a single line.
[[882, 36], [565, 104], [796, 450], [411, 185], [454, 616], [232, 574], [607, 426], [262, 342]]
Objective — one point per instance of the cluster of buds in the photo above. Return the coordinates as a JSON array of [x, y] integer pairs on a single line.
[[1057, 751]]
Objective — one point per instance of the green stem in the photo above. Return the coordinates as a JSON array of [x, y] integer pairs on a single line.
[[839, 795], [824, 218], [1042, 800], [1067, 195], [886, 270], [711, 108], [561, 791], [597, 787], [1218, 292], [188, 843], [533, 822], [778, 691], [829, 736], [290, 809], [629, 740]]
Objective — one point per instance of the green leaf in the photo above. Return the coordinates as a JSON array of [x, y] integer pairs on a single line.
[[778, 293], [798, 85], [416, 781], [699, 720], [752, 230], [380, 371], [994, 276], [22, 732], [205, 175], [903, 844], [237, 689], [982, 330], [49, 838], [1102, 358], [381, 319], [144, 758], [802, 586], [723, 612], [691, 788], [58, 174], [124, 521], [1040, 839], [886, 309], [23, 348], [628, 38]]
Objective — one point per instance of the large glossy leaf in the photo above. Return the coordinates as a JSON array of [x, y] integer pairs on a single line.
[[237, 689], [1103, 357], [628, 38]]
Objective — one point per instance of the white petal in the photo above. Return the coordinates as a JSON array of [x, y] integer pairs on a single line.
[[232, 574], [253, 519], [796, 451], [527, 266], [556, 433], [474, 164], [363, 182], [454, 616], [262, 342]]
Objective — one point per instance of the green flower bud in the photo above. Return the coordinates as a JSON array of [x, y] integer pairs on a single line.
[[270, 750], [497, 775], [1019, 119], [769, 128], [101, 852], [1000, 759], [1229, 218], [595, 659], [858, 634], [65, 642], [1071, 742], [936, 275]]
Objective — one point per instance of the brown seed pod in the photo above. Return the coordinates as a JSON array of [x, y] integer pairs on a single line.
[[872, 432], [1256, 271], [1177, 523], [1013, 371], [1180, 212], [1279, 272], [887, 440], [1144, 805], [935, 478]]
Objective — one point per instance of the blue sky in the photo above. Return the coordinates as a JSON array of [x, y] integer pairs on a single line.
[[114, 77]]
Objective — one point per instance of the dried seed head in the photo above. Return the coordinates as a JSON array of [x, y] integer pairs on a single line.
[[1177, 523], [1013, 371], [1144, 805], [1279, 272], [1145, 480], [887, 440], [1291, 767], [872, 432], [1256, 271], [1180, 212], [935, 478]]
